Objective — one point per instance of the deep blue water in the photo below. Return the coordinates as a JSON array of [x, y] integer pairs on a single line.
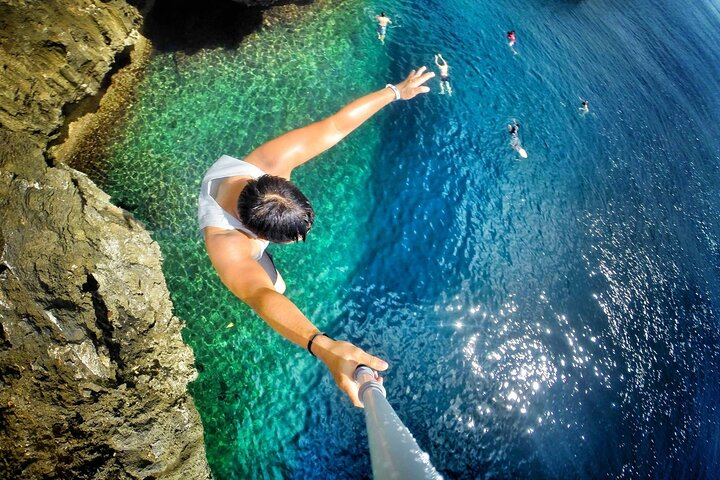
[[555, 316], [548, 317]]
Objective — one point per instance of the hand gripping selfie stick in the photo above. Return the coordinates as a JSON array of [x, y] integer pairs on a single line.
[[394, 453]]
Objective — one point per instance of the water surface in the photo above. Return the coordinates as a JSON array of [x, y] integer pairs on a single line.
[[554, 317]]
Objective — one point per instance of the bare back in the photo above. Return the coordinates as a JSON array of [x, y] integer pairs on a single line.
[[383, 21]]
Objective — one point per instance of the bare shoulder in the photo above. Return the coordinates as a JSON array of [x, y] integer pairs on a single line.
[[227, 248], [231, 252], [271, 157]]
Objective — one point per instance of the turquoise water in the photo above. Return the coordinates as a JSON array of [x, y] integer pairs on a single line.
[[549, 317]]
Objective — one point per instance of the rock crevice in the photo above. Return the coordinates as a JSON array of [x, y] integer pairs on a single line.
[[92, 385]]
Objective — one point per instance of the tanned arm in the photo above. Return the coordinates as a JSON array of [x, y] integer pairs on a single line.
[[244, 277], [281, 155]]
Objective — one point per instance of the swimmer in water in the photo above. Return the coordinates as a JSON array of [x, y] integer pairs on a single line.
[[511, 41], [444, 74], [585, 108], [383, 23], [513, 130]]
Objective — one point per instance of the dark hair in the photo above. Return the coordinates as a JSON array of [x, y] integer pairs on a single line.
[[276, 210], [382, 14]]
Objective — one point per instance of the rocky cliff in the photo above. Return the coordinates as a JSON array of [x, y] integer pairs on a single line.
[[93, 370], [54, 55]]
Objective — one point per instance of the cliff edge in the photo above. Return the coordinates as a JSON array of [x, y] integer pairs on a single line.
[[93, 370]]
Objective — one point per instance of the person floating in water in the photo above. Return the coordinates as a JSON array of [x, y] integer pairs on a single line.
[[513, 130], [246, 204], [383, 23], [444, 74], [585, 107], [511, 41]]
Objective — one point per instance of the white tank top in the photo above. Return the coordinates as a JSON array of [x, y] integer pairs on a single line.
[[210, 213]]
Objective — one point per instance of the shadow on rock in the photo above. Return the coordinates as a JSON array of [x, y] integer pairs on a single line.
[[191, 25]]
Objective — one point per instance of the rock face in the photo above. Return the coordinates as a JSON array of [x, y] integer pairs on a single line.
[[93, 370], [54, 54]]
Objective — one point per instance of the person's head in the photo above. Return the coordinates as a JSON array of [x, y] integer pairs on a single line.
[[382, 14], [275, 210]]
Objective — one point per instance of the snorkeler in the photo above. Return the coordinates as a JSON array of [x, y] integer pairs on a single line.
[[513, 130], [444, 74], [383, 23], [585, 108], [244, 205]]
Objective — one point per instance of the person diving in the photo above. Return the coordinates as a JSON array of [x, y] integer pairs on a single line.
[[244, 205]]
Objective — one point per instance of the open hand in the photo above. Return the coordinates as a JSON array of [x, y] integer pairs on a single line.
[[413, 84], [342, 358]]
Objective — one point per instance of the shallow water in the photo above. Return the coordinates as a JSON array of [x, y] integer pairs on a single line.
[[549, 317]]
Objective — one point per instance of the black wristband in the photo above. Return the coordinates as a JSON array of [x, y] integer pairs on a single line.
[[310, 342], [312, 339]]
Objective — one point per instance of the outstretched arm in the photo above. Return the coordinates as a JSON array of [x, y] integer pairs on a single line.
[[281, 155], [249, 282]]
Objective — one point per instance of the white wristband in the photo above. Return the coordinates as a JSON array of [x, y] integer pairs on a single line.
[[395, 90]]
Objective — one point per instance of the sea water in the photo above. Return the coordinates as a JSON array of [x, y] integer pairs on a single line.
[[548, 317]]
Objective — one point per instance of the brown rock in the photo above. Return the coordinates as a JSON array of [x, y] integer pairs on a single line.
[[55, 53], [93, 370]]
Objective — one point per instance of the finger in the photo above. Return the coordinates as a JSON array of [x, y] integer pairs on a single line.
[[411, 74], [351, 390], [374, 362], [423, 79], [420, 71], [424, 89]]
